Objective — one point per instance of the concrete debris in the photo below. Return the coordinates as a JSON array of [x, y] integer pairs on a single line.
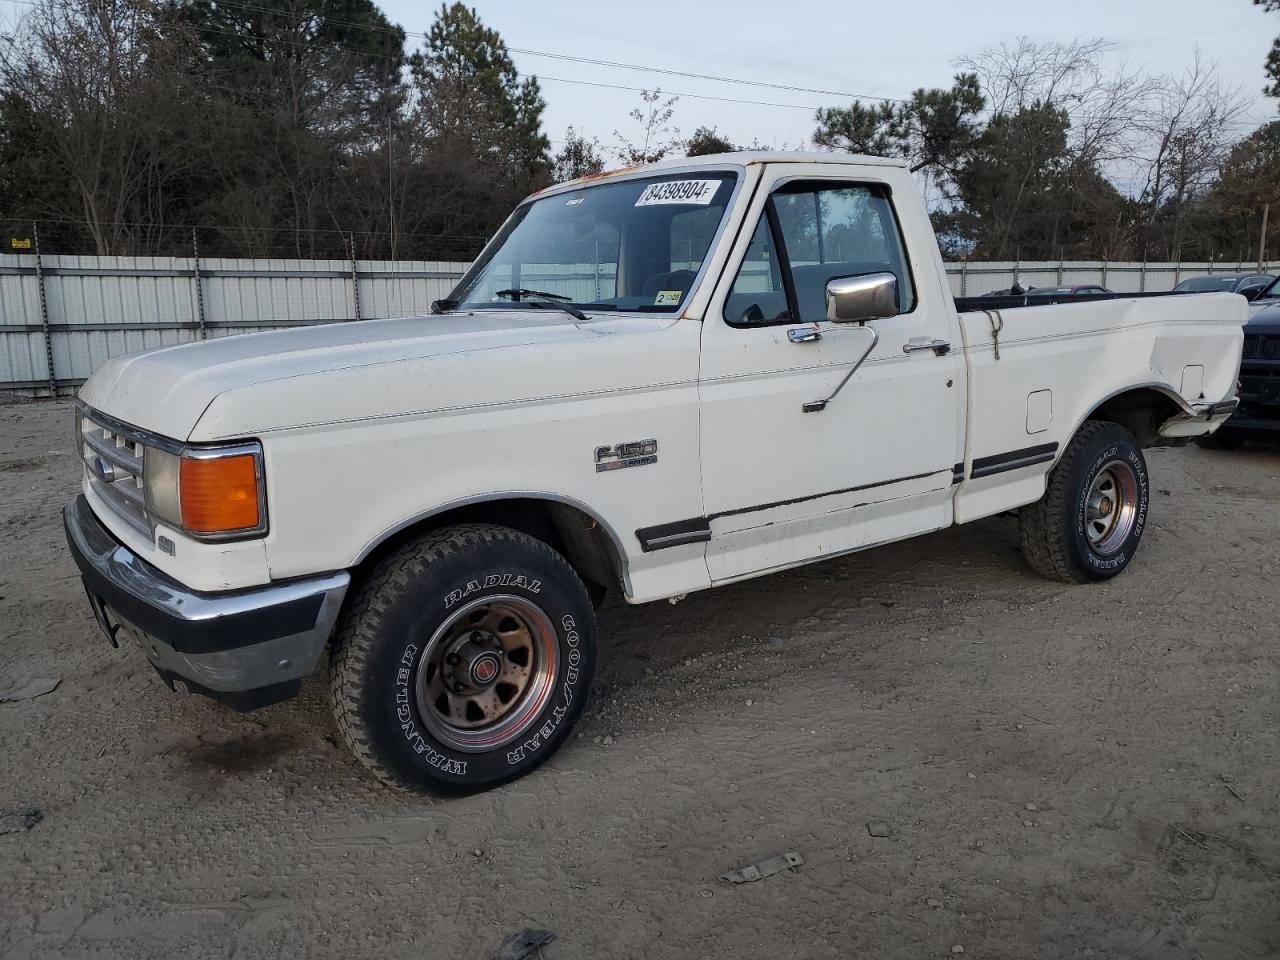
[[524, 944], [19, 821], [29, 689], [765, 868]]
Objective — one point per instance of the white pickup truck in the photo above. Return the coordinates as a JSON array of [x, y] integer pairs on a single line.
[[654, 381]]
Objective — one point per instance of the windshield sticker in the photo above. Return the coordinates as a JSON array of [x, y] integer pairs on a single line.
[[697, 192], [668, 298], [574, 201]]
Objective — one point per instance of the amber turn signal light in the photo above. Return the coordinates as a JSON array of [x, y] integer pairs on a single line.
[[219, 494]]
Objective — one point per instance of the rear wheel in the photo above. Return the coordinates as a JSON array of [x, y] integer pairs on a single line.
[[463, 660], [1090, 521]]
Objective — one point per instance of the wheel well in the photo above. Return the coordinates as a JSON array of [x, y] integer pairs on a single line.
[[575, 534], [1140, 411]]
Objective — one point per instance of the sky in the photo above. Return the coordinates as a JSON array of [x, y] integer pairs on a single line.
[[879, 49]]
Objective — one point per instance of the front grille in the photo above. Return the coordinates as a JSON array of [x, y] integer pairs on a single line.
[[113, 460], [1261, 346]]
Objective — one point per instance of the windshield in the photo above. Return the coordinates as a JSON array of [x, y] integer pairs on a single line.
[[633, 246], [1206, 284]]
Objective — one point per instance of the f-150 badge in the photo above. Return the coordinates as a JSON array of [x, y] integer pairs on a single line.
[[635, 453]]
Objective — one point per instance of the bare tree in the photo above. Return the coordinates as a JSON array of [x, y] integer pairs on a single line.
[[111, 84], [657, 137], [1189, 130], [1105, 103]]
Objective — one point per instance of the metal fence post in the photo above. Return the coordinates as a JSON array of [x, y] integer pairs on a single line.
[[964, 278], [355, 276], [195, 251], [44, 312], [1142, 277], [1104, 273], [1177, 272]]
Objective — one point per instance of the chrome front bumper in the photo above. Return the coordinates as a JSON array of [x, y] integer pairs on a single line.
[[246, 648]]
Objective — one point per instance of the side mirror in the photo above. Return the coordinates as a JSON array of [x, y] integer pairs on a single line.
[[1252, 293], [859, 299]]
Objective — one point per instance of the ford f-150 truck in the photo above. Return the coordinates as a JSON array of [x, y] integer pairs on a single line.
[[654, 381]]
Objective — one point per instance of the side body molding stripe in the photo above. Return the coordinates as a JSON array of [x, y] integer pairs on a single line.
[[697, 530], [1013, 460]]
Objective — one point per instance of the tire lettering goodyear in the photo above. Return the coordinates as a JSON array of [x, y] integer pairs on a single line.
[[574, 657]]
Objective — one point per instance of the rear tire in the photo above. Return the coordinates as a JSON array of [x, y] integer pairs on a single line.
[[463, 660], [1089, 522]]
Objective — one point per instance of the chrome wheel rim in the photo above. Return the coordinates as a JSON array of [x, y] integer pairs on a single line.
[[1111, 507], [486, 673]]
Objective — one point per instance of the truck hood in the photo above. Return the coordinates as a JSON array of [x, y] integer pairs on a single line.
[[1264, 317], [254, 383]]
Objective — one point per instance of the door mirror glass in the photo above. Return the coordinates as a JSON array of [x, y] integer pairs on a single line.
[[859, 299]]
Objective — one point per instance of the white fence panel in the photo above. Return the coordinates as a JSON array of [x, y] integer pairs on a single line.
[[100, 307], [976, 279]]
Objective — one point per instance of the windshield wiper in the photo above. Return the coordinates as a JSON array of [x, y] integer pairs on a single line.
[[520, 293], [568, 308], [557, 301]]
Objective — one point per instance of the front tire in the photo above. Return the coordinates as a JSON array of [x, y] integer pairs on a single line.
[[463, 660], [1089, 522]]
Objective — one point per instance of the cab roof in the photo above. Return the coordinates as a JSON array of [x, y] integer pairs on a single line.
[[738, 158]]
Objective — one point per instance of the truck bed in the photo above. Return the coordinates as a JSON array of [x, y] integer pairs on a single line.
[[977, 304]]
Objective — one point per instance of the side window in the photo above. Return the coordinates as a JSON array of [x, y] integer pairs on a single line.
[[826, 231], [758, 295]]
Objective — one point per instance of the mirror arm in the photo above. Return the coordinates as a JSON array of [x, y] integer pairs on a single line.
[[817, 406]]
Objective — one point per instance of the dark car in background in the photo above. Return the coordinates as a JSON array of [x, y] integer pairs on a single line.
[[1068, 290], [1084, 289], [1078, 290], [1258, 416], [1248, 285]]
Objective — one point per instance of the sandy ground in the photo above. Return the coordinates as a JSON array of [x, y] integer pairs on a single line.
[[1067, 771]]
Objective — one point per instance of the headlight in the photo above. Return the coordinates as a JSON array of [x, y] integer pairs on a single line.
[[212, 494], [160, 477]]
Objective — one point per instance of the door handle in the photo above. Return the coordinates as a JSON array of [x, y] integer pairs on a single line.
[[940, 347], [817, 406], [804, 334]]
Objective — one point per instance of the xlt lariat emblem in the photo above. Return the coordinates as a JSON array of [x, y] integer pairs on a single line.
[[635, 453]]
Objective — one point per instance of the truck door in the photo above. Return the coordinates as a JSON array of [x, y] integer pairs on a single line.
[[787, 478]]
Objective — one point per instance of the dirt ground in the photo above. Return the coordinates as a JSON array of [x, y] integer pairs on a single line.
[[1066, 771]]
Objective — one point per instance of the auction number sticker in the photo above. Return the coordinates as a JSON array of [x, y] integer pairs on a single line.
[[698, 192], [668, 298]]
